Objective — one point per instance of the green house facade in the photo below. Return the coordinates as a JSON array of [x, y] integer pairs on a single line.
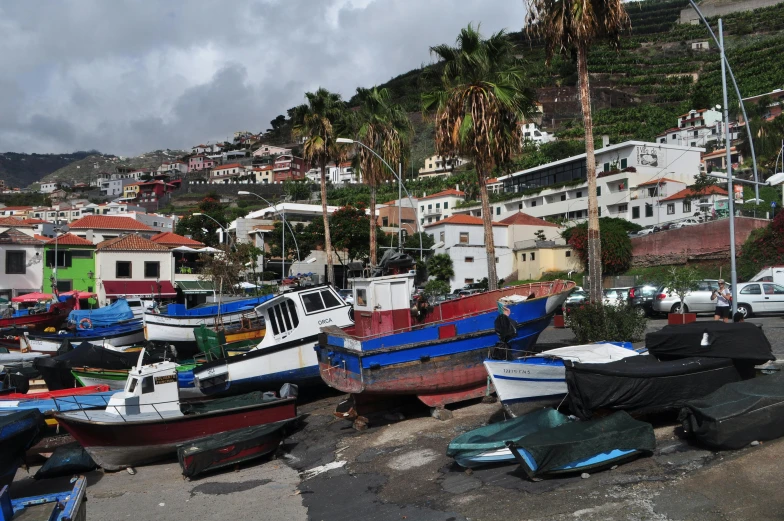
[[75, 264]]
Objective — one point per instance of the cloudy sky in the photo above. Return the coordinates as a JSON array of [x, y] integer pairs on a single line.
[[126, 77]]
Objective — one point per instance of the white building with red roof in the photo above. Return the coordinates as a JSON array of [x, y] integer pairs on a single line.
[[462, 237], [21, 263], [99, 228], [224, 174], [441, 205]]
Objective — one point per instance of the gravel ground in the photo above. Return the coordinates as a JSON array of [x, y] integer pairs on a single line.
[[398, 469]]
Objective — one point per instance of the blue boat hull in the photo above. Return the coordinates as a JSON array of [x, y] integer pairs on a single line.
[[440, 363], [69, 505]]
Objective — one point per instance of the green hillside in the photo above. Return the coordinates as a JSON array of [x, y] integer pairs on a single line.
[[21, 170]]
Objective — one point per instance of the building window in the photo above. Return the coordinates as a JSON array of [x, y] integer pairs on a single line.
[[648, 210], [694, 143], [522, 257], [63, 258], [498, 210], [623, 208], [672, 136], [598, 191], [385, 221], [696, 133], [152, 270], [64, 285], [123, 270], [463, 237], [607, 167], [579, 194], [446, 205], [670, 208], [520, 206], [599, 211], [653, 191], [430, 207], [438, 206], [533, 255], [635, 212], [469, 259], [624, 163], [441, 236], [568, 253], [15, 262], [563, 197], [533, 203], [686, 206]]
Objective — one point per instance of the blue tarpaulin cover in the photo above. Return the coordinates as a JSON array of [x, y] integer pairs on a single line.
[[119, 310]]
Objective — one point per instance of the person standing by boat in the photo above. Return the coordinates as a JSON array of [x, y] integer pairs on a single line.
[[722, 296]]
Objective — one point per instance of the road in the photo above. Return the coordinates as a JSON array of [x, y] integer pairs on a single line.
[[397, 469]]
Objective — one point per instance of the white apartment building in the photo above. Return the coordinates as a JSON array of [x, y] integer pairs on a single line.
[[531, 132], [114, 187], [48, 188], [437, 166], [344, 173], [162, 223], [270, 150], [441, 205], [697, 128], [225, 173], [462, 237], [559, 190]]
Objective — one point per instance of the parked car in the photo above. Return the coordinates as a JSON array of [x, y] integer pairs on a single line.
[[616, 296], [469, 292], [641, 298], [645, 231], [347, 295], [576, 298], [698, 301], [760, 297], [691, 221]]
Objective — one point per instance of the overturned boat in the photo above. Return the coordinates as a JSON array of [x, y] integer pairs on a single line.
[[286, 354], [434, 353]]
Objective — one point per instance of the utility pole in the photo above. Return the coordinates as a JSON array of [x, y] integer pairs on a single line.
[[730, 192]]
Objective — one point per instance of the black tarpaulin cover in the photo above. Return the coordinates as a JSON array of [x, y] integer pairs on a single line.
[[572, 442], [228, 448], [66, 460], [738, 413], [643, 384], [741, 341]]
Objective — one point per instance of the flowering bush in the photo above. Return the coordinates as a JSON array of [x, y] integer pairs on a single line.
[[764, 247], [616, 245]]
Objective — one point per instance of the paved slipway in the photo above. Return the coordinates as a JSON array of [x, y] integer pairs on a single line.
[[397, 469]]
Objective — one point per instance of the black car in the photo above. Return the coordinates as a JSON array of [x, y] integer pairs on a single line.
[[641, 298]]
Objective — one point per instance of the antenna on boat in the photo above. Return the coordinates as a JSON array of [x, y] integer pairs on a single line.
[[139, 363]]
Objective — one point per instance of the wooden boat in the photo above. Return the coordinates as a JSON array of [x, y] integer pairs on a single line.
[[437, 355], [18, 431], [286, 354], [583, 446], [542, 376], [174, 323], [51, 395], [54, 316], [219, 343], [115, 379], [17, 356], [487, 444], [230, 448], [48, 406], [147, 421], [69, 505]]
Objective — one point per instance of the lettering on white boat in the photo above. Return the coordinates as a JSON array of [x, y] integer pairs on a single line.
[[325, 321], [165, 379], [516, 371]]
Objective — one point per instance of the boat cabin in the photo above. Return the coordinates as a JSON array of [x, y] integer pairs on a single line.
[[383, 304], [149, 389]]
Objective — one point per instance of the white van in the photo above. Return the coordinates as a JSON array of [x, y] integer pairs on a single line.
[[774, 274]]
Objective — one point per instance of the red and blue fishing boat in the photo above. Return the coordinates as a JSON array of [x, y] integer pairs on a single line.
[[45, 314], [435, 353]]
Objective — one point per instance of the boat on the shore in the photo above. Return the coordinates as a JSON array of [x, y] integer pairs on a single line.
[[215, 343], [18, 431], [174, 323], [147, 421], [51, 395], [52, 315], [286, 353], [67, 505], [115, 379], [436, 353], [542, 375], [583, 446], [48, 406]]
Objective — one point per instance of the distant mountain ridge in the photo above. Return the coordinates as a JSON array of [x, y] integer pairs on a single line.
[[87, 168], [22, 170]]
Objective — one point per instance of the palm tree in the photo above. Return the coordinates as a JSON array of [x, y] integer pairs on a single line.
[[572, 26], [478, 107], [315, 121], [384, 127]]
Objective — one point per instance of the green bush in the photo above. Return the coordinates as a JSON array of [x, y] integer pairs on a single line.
[[434, 288], [596, 322]]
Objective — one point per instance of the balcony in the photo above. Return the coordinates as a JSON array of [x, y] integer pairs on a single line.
[[434, 212]]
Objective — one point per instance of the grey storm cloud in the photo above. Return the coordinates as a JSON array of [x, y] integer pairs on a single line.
[[126, 76]]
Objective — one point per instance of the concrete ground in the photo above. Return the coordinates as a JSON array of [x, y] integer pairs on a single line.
[[398, 469]]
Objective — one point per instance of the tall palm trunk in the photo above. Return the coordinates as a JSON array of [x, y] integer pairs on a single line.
[[327, 235], [487, 223], [373, 224], [594, 242]]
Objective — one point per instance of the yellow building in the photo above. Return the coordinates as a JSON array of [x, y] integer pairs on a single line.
[[131, 191], [535, 258]]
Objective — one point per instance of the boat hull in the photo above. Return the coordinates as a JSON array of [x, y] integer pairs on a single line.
[[69, 505], [54, 318], [114, 380], [116, 445], [51, 343]]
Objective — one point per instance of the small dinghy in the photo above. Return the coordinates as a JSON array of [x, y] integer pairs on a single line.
[[230, 448], [541, 376], [51, 395], [583, 446], [74, 402], [738, 413], [69, 505], [643, 384], [487, 445]]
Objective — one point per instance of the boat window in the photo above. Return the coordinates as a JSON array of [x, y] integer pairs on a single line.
[[279, 316], [132, 385], [312, 302], [147, 385], [285, 312], [293, 312], [330, 300], [361, 297], [273, 321]]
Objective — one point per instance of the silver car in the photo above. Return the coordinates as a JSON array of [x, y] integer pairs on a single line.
[[616, 296], [698, 301]]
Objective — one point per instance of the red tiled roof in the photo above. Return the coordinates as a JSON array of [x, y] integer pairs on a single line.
[[69, 239], [673, 129], [230, 165], [492, 181], [14, 221], [463, 219], [524, 219], [697, 111], [718, 153], [130, 242], [15, 208], [690, 192], [658, 181], [172, 239], [41, 237], [14, 236], [445, 193], [108, 222]]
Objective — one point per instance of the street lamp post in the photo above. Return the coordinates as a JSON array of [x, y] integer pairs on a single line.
[[216, 222], [283, 228], [410, 200]]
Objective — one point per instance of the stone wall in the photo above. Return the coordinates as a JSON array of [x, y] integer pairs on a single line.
[[709, 241], [264, 190]]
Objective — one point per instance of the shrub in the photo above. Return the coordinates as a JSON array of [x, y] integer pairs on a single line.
[[616, 245], [593, 322], [435, 288]]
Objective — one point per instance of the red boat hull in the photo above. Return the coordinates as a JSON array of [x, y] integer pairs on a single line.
[[118, 445], [55, 317]]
